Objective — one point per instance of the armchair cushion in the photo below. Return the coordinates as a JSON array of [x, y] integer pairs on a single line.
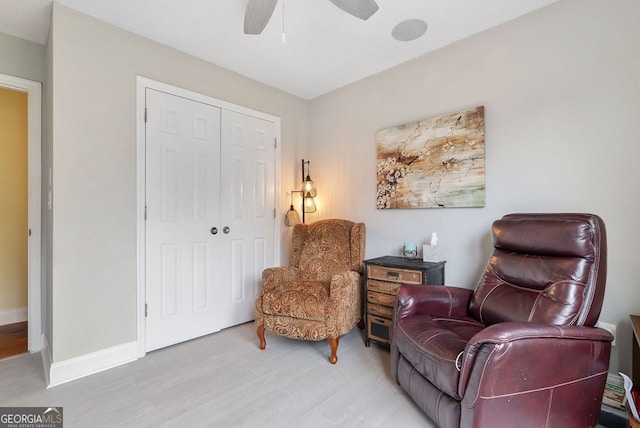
[[305, 300]]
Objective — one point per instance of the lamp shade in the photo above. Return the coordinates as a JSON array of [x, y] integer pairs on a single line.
[[309, 188], [309, 203], [292, 218]]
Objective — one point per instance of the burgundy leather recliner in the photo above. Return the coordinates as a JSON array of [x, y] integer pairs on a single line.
[[520, 350]]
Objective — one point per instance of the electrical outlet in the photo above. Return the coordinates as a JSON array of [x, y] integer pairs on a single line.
[[611, 328]]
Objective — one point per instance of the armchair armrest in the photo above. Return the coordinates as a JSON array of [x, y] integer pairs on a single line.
[[276, 275], [344, 286], [345, 303], [515, 358], [434, 300]]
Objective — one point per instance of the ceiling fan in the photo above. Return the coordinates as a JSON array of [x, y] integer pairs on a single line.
[[259, 12]]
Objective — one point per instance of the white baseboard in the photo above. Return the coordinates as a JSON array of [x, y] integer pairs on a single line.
[[11, 316], [85, 365]]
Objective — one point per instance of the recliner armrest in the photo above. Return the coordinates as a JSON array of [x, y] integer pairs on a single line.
[[516, 357], [510, 331], [433, 300]]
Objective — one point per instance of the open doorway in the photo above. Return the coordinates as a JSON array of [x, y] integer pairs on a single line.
[[14, 212], [20, 229]]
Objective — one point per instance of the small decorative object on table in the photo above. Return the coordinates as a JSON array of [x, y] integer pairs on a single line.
[[431, 251], [410, 250]]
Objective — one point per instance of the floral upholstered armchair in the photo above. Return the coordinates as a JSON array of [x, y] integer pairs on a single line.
[[319, 296]]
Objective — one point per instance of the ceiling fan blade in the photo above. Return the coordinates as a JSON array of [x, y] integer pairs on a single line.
[[257, 15], [362, 9]]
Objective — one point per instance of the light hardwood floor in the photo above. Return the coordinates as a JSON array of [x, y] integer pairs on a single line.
[[224, 380]]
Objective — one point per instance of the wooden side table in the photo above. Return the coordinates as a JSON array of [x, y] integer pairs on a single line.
[[383, 275]]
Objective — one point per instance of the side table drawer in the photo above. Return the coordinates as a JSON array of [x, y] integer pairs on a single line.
[[381, 299], [383, 286], [381, 311], [379, 329], [394, 274]]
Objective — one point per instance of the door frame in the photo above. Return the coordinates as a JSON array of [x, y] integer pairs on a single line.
[[34, 242], [142, 84]]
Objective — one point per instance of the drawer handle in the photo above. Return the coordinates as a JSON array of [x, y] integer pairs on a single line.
[[395, 275]]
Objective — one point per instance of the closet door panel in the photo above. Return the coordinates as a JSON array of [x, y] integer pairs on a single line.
[[183, 269], [248, 208]]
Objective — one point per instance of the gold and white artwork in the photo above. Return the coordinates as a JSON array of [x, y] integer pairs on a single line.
[[432, 163]]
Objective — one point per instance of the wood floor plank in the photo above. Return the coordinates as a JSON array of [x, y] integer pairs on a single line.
[[13, 339], [224, 380]]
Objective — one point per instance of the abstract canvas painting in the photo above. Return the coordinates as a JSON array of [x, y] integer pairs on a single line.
[[432, 163]]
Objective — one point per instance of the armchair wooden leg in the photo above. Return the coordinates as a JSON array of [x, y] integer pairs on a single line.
[[263, 343], [361, 324], [334, 350]]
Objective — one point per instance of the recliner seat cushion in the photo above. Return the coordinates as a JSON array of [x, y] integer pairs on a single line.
[[432, 345], [306, 300]]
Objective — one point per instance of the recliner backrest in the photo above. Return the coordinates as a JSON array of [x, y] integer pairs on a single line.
[[545, 268], [327, 247]]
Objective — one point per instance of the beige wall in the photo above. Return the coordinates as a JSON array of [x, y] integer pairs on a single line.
[[13, 194], [22, 58], [562, 99], [93, 127]]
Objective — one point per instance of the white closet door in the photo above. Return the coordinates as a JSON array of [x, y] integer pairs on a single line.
[[184, 268], [248, 210]]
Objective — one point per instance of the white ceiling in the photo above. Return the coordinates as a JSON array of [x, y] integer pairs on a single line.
[[325, 47]]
